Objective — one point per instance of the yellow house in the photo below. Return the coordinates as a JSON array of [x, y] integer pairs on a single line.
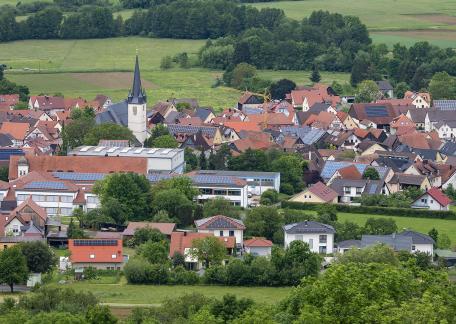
[[317, 193]]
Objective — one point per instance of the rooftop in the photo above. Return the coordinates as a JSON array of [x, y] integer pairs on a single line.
[[125, 151]]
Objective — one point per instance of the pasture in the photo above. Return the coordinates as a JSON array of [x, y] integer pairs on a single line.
[[423, 225], [86, 68], [397, 20]]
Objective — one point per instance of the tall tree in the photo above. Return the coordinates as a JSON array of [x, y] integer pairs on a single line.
[[39, 256], [367, 91], [209, 250], [280, 88], [13, 267]]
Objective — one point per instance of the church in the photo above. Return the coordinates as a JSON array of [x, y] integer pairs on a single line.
[[131, 112]]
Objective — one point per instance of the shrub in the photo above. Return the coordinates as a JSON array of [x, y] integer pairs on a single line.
[[181, 276]]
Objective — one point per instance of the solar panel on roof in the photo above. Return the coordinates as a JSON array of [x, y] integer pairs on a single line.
[[95, 242], [45, 185], [76, 176], [377, 111]]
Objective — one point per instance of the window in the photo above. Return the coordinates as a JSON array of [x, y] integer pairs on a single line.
[[347, 190], [22, 197], [38, 198], [305, 196], [359, 191], [206, 191], [15, 229], [93, 200], [432, 201], [323, 238], [413, 247], [234, 192], [66, 199], [66, 211], [236, 203], [114, 256], [51, 210], [92, 256], [52, 198], [219, 192], [221, 233], [322, 249], [231, 233]]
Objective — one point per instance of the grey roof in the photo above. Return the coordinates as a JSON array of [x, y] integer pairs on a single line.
[[190, 129], [143, 152], [417, 115], [426, 154], [318, 107], [308, 227], [373, 187], [384, 85], [349, 243], [116, 113], [445, 104], [408, 179], [331, 167], [137, 94], [239, 174], [436, 115], [339, 184], [308, 135], [172, 117], [252, 111], [219, 222], [203, 113], [396, 242], [418, 238], [449, 148], [19, 239], [395, 163], [5, 140]]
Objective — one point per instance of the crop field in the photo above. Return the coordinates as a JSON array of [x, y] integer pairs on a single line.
[[423, 225], [89, 67], [387, 16]]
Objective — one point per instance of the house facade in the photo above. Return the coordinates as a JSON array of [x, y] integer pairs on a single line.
[[432, 199], [319, 237], [222, 226], [103, 254]]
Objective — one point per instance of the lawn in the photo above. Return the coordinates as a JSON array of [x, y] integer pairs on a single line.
[[85, 68], [423, 225], [149, 294]]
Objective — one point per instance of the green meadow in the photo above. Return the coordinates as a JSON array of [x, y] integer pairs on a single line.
[[423, 225], [86, 68]]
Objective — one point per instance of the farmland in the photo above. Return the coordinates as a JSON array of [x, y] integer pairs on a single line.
[[88, 67]]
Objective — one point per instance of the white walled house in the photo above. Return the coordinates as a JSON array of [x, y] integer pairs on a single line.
[[258, 246], [433, 199], [222, 226], [421, 242], [320, 237]]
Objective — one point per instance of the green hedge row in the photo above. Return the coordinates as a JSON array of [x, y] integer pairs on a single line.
[[376, 210]]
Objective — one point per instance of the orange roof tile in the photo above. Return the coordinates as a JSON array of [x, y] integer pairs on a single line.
[[258, 242], [101, 254], [246, 126], [350, 173], [17, 130]]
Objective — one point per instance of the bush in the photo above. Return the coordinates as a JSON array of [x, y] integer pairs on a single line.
[[269, 197], [181, 276], [376, 210]]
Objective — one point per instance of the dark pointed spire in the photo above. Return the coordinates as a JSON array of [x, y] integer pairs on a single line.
[[137, 94]]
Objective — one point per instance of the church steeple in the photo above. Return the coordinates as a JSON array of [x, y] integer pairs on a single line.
[[137, 94]]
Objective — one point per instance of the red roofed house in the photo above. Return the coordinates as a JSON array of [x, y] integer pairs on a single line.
[[317, 193], [97, 253], [8, 101], [223, 226], [27, 219], [164, 228], [318, 93], [49, 104], [258, 246], [17, 131], [182, 242], [433, 199]]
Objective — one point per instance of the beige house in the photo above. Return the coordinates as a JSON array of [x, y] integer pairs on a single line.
[[317, 193]]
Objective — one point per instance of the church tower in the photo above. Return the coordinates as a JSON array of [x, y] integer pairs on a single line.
[[137, 103]]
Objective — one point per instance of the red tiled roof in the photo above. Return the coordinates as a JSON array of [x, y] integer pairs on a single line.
[[88, 164], [258, 242], [246, 126], [317, 93], [81, 254], [415, 140], [164, 228], [439, 196], [17, 130], [251, 143], [323, 191], [48, 103], [350, 173], [184, 240]]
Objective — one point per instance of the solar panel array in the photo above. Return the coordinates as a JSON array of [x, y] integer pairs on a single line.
[[45, 185], [189, 129], [76, 176], [212, 179], [372, 188], [377, 111], [445, 104], [95, 242]]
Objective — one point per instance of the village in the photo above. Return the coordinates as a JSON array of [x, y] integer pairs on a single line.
[[257, 177]]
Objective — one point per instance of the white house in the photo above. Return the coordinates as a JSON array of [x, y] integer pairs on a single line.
[[258, 246], [222, 226], [433, 199], [320, 237]]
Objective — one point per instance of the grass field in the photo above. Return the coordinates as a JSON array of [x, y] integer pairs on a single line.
[[409, 17], [149, 294], [88, 67], [423, 225]]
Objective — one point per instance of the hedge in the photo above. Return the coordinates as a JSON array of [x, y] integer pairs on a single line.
[[376, 210]]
